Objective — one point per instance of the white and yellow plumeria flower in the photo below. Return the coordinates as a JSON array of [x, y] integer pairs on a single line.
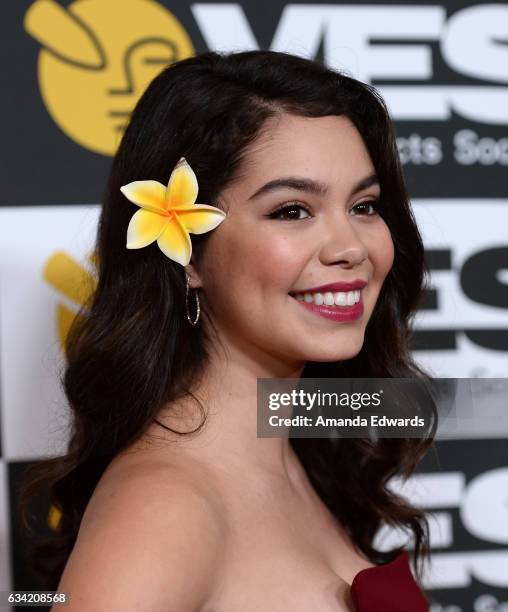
[[169, 213]]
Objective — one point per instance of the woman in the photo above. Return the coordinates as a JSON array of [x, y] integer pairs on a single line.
[[301, 163]]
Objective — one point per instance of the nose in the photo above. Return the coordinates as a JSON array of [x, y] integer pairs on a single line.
[[342, 244]]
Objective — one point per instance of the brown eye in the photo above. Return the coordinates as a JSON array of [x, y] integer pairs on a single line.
[[290, 213], [375, 207]]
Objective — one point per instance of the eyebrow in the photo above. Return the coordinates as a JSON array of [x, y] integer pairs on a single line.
[[309, 186]]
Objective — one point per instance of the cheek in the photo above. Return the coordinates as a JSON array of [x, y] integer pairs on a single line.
[[382, 252], [257, 259]]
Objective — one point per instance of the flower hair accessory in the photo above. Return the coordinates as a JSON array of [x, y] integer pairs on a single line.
[[169, 214]]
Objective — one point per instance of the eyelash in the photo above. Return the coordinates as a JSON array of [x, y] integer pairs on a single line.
[[376, 204]]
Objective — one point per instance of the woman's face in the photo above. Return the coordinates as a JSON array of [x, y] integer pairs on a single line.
[[317, 226]]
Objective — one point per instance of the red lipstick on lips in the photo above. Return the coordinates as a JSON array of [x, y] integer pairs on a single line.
[[335, 313]]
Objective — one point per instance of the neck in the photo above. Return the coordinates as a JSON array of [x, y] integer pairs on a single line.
[[228, 440]]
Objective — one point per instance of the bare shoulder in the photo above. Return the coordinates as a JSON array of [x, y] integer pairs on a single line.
[[150, 539]]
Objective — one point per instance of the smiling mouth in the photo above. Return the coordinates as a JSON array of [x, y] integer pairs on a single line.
[[338, 307], [339, 299]]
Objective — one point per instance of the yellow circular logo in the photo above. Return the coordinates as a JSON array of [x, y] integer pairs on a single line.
[[98, 57]]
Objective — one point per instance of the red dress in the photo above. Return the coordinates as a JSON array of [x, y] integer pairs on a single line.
[[388, 588]]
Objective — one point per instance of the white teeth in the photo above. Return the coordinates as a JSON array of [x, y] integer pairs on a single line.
[[329, 299], [340, 298]]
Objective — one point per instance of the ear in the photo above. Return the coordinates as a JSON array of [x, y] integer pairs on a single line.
[[193, 274]]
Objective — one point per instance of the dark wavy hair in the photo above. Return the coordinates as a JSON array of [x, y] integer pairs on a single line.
[[131, 350]]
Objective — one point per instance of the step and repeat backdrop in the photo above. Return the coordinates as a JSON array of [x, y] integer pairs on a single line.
[[72, 72]]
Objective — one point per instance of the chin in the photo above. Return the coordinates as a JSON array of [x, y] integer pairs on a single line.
[[333, 354]]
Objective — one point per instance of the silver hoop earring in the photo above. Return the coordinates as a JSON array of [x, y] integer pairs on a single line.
[[187, 311]]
